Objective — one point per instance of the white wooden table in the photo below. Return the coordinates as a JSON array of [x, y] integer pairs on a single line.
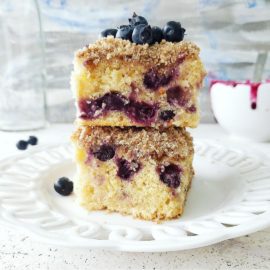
[[19, 251]]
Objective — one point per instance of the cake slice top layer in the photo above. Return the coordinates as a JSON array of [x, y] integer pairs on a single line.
[[159, 55], [119, 83]]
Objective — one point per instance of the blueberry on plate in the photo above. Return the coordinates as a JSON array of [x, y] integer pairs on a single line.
[[173, 31], [22, 145], [136, 20], [142, 34], [63, 186], [157, 34], [33, 140], [124, 32], [108, 32]]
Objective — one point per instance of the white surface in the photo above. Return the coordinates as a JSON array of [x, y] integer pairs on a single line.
[[18, 251], [232, 109]]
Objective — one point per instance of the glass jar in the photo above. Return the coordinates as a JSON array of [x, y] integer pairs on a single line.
[[22, 85]]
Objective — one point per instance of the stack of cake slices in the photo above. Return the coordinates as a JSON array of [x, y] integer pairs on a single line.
[[133, 153]]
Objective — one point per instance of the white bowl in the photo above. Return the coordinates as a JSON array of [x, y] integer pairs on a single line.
[[232, 107]]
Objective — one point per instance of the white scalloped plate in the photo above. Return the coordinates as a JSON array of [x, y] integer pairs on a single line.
[[230, 197]]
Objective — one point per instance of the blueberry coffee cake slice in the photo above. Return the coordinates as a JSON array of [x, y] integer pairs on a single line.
[[143, 172], [138, 75]]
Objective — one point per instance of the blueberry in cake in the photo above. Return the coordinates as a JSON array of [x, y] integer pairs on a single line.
[[133, 75], [136, 91], [144, 172]]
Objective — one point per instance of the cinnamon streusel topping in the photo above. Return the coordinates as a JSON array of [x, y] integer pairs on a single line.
[[160, 54]]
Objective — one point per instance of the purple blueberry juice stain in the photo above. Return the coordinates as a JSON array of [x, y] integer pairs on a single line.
[[126, 169], [191, 109], [104, 152], [253, 94], [176, 96], [141, 112], [114, 101], [166, 115], [91, 109], [170, 175], [153, 80], [254, 87]]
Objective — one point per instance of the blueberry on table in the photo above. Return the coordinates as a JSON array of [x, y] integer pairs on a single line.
[[124, 32], [33, 140], [173, 31], [136, 20], [157, 34], [108, 32], [22, 145], [63, 186]]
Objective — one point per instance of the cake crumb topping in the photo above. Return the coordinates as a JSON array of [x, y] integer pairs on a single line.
[[160, 54], [173, 143]]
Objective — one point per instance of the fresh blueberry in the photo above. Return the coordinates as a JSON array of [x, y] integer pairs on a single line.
[[63, 186], [136, 20], [108, 32], [142, 34], [124, 32], [170, 175], [22, 145], [104, 153], [33, 140], [173, 31], [141, 112], [167, 115], [126, 169], [153, 80], [157, 34], [114, 101]]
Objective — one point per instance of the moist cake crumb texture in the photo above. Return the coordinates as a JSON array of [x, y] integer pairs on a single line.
[[119, 83], [142, 172]]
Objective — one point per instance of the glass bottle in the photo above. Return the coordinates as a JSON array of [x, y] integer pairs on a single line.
[[22, 85]]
